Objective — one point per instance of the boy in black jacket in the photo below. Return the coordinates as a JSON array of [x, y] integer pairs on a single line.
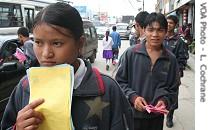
[[178, 47], [148, 74]]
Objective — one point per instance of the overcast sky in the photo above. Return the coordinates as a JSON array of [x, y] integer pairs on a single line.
[[118, 7]]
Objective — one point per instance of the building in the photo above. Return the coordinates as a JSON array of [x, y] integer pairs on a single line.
[[183, 9]]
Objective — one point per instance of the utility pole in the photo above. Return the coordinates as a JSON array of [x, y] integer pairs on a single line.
[[142, 3]]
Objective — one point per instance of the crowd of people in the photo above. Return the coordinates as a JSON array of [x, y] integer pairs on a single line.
[[148, 73]]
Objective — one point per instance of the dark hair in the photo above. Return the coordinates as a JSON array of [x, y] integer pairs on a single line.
[[114, 28], [23, 31], [157, 17], [107, 35], [174, 18], [140, 18], [62, 15]]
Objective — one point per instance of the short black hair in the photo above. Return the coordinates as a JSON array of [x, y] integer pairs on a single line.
[[157, 17], [174, 18], [23, 31], [114, 28], [62, 15], [140, 18]]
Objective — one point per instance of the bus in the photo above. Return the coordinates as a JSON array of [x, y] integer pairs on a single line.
[[17, 13]]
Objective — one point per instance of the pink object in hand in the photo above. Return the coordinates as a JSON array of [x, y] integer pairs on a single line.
[[151, 108], [20, 55]]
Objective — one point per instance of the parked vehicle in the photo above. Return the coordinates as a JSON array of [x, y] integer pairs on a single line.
[[124, 30], [91, 44], [18, 13], [11, 71], [101, 32]]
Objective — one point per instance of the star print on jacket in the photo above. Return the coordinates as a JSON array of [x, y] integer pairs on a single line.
[[96, 107]]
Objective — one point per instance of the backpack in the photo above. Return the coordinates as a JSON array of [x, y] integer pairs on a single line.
[[127, 110]]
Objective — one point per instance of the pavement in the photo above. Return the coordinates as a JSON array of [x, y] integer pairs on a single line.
[[184, 116]]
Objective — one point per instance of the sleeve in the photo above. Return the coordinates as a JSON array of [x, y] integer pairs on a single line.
[[12, 108], [169, 93], [122, 76], [119, 41], [122, 114], [181, 54]]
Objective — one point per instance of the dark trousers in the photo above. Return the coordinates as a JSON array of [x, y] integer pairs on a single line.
[[115, 52], [149, 124]]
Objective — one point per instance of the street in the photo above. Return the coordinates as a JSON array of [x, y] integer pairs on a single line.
[[184, 117]]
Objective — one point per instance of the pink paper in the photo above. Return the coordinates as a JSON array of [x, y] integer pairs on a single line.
[[151, 108], [20, 55]]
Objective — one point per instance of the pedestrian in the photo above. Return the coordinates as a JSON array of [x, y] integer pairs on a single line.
[[148, 74], [117, 44], [176, 45], [59, 37], [23, 36], [140, 26], [107, 49]]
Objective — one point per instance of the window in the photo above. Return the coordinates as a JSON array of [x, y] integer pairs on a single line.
[[87, 33], [93, 32], [10, 15]]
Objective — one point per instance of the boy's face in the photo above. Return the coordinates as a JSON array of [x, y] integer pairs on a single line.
[[155, 34], [171, 25], [54, 45]]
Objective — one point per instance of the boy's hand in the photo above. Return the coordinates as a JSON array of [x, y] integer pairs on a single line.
[[28, 118], [140, 103], [160, 104]]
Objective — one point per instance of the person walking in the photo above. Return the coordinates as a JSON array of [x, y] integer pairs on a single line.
[[148, 74], [140, 26], [23, 36], [117, 44], [107, 49], [176, 45]]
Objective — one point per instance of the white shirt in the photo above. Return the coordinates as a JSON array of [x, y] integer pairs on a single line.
[[80, 73], [107, 45]]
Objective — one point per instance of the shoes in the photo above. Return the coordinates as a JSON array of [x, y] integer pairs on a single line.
[[169, 119], [169, 123], [114, 62], [107, 67]]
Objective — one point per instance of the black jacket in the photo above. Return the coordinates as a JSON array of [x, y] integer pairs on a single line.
[[93, 106], [179, 48], [137, 79]]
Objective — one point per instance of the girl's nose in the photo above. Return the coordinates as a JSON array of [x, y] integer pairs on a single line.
[[47, 52]]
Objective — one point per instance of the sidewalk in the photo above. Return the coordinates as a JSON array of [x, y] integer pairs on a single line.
[[191, 61], [184, 117]]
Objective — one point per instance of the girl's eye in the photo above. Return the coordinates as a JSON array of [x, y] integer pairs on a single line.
[[38, 43], [57, 44]]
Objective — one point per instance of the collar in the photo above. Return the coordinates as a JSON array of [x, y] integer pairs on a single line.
[[141, 48], [80, 73], [173, 37]]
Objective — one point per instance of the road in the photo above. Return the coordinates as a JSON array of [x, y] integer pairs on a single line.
[[184, 118]]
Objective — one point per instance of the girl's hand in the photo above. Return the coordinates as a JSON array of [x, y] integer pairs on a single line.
[[28, 118]]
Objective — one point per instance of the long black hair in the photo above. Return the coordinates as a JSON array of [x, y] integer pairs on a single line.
[[61, 15], [107, 35]]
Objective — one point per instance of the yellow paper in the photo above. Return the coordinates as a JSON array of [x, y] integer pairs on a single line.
[[54, 85]]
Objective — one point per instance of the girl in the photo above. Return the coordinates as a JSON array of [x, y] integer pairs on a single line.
[[58, 34], [107, 49]]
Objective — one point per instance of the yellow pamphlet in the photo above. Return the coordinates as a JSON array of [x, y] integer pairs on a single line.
[[55, 85]]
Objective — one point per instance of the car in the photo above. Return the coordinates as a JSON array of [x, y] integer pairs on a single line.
[[90, 47], [123, 29], [101, 32], [11, 70]]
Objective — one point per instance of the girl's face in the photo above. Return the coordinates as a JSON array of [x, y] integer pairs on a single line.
[[55, 45]]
